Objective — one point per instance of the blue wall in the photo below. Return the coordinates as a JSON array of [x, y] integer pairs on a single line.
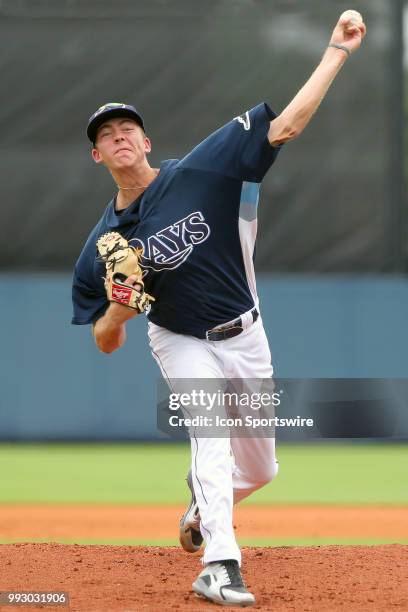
[[56, 385], [337, 326]]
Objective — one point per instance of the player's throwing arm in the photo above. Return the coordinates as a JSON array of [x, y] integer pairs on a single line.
[[345, 40]]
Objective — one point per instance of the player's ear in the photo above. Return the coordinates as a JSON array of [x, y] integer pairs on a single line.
[[147, 144], [96, 156]]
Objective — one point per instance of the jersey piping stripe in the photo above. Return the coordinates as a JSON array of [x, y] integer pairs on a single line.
[[247, 226]]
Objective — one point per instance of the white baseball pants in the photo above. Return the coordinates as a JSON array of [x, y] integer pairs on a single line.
[[219, 480]]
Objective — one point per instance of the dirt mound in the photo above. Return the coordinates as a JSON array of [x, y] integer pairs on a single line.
[[284, 579]]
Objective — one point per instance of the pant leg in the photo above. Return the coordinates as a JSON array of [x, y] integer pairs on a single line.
[[249, 358], [183, 357], [255, 465]]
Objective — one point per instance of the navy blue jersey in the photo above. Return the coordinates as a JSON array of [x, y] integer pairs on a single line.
[[196, 223]]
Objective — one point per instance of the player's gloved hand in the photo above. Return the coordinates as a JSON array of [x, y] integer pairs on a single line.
[[123, 281], [349, 31]]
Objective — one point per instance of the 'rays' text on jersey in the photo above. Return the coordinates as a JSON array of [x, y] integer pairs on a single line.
[[169, 247]]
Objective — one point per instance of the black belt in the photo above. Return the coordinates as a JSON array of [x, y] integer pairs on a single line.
[[230, 330]]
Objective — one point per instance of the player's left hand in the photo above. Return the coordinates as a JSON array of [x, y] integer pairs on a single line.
[[349, 31], [124, 275]]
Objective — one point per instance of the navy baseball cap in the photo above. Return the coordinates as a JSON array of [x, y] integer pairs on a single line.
[[109, 111]]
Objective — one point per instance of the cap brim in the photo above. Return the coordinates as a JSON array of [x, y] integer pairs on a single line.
[[96, 123]]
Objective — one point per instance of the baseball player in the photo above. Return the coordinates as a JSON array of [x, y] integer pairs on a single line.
[[177, 242]]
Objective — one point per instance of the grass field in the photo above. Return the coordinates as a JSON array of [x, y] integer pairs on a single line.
[[153, 475], [353, 474]]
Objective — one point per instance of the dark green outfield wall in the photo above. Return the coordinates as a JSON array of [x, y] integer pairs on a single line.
[[333, 202]]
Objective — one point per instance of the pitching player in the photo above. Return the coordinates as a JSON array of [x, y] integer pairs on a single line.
[[191, 225]]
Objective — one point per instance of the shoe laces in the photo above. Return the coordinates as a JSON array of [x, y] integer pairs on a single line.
[[231, 567]]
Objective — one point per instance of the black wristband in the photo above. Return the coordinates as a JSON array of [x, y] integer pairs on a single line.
[[336, 46]]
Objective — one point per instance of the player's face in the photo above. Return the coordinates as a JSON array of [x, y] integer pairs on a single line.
[[120, 143]]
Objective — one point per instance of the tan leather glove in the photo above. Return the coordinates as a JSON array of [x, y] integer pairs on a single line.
[[122, 261]]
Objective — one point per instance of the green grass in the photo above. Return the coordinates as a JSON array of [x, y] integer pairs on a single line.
[[330, 473], [154, 474], [242, 541]]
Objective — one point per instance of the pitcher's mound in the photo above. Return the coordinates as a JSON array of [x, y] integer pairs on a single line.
[[283, 579]]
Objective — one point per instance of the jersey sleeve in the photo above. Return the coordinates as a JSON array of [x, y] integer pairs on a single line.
[[240, 149], [89, 304]]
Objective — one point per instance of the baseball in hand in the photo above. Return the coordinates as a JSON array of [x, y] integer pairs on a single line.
[[354, 18]]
